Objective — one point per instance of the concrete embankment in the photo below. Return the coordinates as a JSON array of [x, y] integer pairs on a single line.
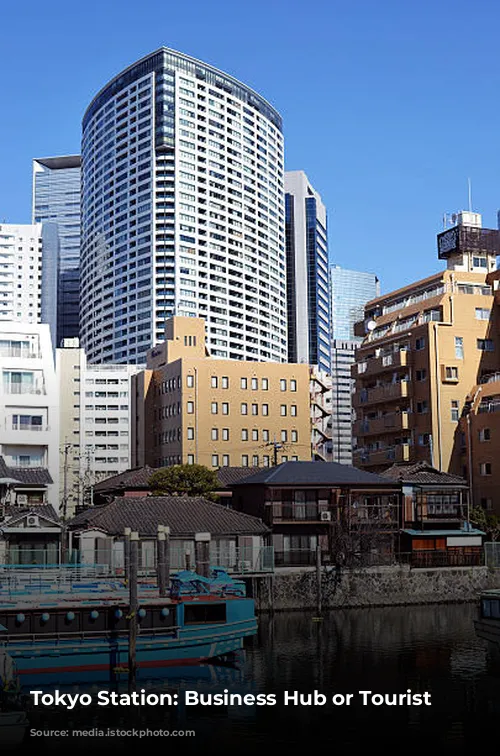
[[384, 586]]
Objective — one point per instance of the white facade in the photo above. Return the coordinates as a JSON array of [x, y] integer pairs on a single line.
[[95, 422], [182, 213], [20, 272], [29, 401]]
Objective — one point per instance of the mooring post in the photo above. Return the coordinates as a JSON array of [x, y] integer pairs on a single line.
[[160, 560], [126, 552], [318, 579], [133, 608], [202, 547], [166, 558]]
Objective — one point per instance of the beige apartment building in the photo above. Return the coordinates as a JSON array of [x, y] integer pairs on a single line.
[[190, 408], [426, 345]]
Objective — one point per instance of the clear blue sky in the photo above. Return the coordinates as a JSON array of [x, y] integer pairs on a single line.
[[388, 106]]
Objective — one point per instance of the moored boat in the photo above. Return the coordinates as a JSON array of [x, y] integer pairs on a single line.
[[487, 625], [82, 635]]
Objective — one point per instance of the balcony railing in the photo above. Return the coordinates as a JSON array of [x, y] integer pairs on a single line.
[[19, 388], [390, 423], [387, 456], [295, 558], [23, 354], [381, 394], [29, 427], [297, 512], [384, 363], [440, 512], [450, 558]]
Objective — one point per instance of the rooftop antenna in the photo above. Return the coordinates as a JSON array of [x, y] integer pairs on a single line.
[[470, 194]]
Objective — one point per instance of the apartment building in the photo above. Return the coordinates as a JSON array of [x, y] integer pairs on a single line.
[[94, 425], [424, 347], [29, 413], [190, 408]]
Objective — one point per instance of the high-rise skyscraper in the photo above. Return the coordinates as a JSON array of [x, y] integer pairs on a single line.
[[182, 213], [56, 199], [307, 273], [350, 290]]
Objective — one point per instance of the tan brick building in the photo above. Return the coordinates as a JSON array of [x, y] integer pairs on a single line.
[[190, 408], [426, 345]]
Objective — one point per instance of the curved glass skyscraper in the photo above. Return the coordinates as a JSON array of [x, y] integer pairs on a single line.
[[182, 213]]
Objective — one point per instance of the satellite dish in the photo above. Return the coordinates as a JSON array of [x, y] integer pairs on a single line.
[[371, 325]]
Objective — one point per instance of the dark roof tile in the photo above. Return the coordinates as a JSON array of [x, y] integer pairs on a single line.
[[184, 515], [424, 474], [313, 473]]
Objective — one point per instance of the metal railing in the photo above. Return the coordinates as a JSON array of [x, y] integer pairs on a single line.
[[449, 558], [238, 560]]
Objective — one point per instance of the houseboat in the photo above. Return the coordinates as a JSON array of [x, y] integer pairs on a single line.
[[487, 625], [82, 635]]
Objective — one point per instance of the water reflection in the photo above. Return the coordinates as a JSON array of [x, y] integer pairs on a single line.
[[431, 648]]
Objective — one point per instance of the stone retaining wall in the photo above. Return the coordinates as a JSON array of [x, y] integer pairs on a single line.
[[386, 586]]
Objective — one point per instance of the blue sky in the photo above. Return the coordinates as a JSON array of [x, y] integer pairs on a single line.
[[388, 106]]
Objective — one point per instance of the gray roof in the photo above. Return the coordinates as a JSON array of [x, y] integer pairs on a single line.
[[229, 475], [184, 515], [27, 476], [422, 473], [14, 513], [314, 474], [137, 477]]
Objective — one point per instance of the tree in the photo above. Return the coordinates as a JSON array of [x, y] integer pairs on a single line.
[[490, 523], [185, 480]]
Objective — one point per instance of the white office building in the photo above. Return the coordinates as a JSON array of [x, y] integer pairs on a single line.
[[182, 213], [29, 412]]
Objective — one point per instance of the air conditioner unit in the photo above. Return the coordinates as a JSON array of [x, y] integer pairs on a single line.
[[326, 516], [21, 499], [32, 521]]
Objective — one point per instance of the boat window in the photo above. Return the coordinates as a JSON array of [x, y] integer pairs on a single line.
[[486, 608], [197, 614]]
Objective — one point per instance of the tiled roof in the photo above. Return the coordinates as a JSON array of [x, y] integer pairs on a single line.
[[313, 473], [424, 474], [184, 515], [42, 510], [32, 476], [229, 475], [138, 477]]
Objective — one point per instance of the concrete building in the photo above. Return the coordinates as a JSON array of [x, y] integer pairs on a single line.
[[95, 423], [20, 273], [350, 290], [307, 273], [425, 346], [56, 200], [190, 408], [182, 213], [29, 410]]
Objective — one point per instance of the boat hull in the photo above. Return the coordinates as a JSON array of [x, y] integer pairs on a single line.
[[105, 660]]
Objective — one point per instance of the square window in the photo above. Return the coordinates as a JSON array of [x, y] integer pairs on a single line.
[[255, 460], [459, 347], [190, 434], [283, 410], [244, 408], [190, 381], [225, 460], [293, 410], [420, 343], [265, 435], [293, 385], [225, 408], [282, 384], [255, 409], [244, 460], [244, 434], [295, 436], [215, 408], [485, 434], [215, 460], [225, 382], [215, 381], [284, 435], [255, 384], [190, 459], [190, 408], [265, 384], [225, 434], [215, 434], [485, 468], [244, 383]]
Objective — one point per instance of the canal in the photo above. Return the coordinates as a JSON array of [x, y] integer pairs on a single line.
[[429, 649]]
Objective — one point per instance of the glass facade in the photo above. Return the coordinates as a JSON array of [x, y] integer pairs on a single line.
[[56, 199], [182, 213], [350, 290], [308, 303]]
